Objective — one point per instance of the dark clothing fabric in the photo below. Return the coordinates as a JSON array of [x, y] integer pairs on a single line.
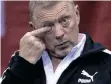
[[92, 67]]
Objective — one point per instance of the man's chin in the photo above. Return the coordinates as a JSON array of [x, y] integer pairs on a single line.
[[59, 53]]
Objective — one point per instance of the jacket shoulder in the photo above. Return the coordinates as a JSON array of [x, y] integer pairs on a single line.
[[107, 59], [107, 51]]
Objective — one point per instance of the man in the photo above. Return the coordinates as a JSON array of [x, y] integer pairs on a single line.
[[55, 52]]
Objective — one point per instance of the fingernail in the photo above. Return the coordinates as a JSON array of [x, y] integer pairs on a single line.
[[49, 28]]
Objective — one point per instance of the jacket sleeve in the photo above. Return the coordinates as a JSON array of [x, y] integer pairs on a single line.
[[109, 66], [19, 71], [107, 61]]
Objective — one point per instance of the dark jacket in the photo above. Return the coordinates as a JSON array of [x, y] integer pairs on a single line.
[[92, 67]]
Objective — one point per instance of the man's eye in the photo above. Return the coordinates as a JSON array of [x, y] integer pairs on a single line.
[[49, 25], [65, 22], [50, 31]]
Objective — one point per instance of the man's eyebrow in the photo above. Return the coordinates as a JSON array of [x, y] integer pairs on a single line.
[[47, 22], [65, 16]]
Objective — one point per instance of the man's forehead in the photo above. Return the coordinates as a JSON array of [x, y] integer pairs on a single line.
[[56, 11]]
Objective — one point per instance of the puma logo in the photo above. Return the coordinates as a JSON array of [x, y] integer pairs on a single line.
[[87, 75]]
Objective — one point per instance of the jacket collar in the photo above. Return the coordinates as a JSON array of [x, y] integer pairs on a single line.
[[91, 46]]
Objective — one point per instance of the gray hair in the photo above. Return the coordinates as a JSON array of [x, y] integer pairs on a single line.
[[40, 4]]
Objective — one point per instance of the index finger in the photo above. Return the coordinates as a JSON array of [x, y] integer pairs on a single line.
[[40, 31]]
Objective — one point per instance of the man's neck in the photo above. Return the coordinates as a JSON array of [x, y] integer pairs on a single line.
[[55, 62]]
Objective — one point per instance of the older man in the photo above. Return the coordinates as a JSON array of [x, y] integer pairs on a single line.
[[55, 52]]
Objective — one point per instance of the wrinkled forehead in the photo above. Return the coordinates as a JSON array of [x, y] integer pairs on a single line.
[[53, 12]]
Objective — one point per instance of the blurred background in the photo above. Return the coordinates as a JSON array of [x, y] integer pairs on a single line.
[[95, 20]]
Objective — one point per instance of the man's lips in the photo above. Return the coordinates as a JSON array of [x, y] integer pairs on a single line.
[[62, 44]]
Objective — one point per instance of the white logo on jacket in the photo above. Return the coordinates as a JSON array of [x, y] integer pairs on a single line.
[[87, 75]]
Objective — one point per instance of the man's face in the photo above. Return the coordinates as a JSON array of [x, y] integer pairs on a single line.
[[63, 20]]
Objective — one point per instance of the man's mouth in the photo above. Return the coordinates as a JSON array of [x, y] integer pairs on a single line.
[[62, 45]]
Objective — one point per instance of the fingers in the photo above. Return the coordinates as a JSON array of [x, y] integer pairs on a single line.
[[40, 31]]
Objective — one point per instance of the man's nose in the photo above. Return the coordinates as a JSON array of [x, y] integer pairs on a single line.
[[59, 33]]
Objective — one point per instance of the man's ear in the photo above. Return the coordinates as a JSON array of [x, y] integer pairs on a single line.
[[78, 14], [31, 25]]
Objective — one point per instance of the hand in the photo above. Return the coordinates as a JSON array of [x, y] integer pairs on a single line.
[[32, 45]]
